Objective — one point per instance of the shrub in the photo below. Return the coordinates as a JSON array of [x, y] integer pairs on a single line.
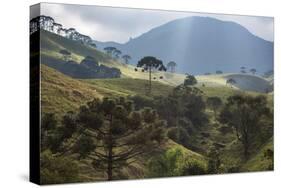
[[57, 169], [174, 163]]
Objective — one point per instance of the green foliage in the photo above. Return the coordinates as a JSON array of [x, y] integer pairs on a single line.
[[84, 146], [214, 161], [50, 138], [245, 114], [179, 135], [214, 103], [148, 63], [56, 170], [166, 165], [68, 125], [109, 124], [269, 155], [49, 122], [190, 80], [185, 103], [194, 167], [174, 163]]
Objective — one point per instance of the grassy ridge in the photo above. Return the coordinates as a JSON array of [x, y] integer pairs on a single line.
[[127, 86], [60, 93]]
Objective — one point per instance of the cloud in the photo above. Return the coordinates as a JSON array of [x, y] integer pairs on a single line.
[[119, 24]]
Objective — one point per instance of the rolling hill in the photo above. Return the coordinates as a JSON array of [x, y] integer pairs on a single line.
[[51, 44], [201, 44], [60, 93], [244, 82]]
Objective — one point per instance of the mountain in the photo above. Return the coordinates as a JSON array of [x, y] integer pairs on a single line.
[[201, 44]]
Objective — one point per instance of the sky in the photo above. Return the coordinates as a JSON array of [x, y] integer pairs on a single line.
[[121, 24]]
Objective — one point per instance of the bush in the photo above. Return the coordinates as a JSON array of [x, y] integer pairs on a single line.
[[166, 165], [179, 135], [225, 129], [190, 80], [194, 168], [174, 163], [57, 169]]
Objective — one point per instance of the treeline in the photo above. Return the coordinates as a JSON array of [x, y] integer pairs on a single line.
[[88, 68]]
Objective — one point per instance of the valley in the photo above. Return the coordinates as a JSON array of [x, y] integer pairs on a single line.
[[105, 119]]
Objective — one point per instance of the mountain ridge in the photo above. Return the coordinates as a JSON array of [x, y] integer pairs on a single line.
[[206, 45]]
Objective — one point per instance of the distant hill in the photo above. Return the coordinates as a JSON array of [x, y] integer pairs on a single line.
[[245, 82], [201, 44]]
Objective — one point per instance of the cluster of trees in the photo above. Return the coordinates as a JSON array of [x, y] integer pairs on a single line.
[[108, 132], [189, 80], [89, 67], [174, 163], [116, 54], [114, 133], [243, 70]]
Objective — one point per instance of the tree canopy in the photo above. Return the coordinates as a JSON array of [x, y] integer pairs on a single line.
[[148, 63], [245, 114]]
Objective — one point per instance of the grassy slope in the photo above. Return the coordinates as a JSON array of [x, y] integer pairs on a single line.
[[127, 86], [51, 44], [60, 93], [245, 82]]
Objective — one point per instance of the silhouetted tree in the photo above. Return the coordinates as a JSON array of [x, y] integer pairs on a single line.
[[245, 114], [189, 80], [110, 50], [126, 58], [148, 63], [219, 72], [117, 53], [171, 66], [230, 81], [243, 70], [253, 71]]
